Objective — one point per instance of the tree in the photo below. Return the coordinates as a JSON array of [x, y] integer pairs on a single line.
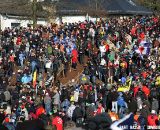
[[34, 9], [51, 7], [30, 9], [152, 4]]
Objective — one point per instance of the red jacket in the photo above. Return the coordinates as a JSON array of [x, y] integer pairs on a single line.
[[107, 48], [146, 90], [18, 40], [58, 122], [40, 111], [152, 120], [135, 90], [133, 31], [11, 58], [74, 56], [142, 36], [100, 110], [144, 74]]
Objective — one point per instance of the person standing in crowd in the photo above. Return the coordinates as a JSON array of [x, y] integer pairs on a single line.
[[57, 122], [74, 58], [78, 115], [47, 102]]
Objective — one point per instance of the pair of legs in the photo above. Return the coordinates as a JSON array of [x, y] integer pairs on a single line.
[[115, 106]]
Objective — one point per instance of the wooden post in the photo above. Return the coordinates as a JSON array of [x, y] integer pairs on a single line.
[[96, 9]]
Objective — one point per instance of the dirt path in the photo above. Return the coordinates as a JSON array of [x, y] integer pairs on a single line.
[[73, 73]]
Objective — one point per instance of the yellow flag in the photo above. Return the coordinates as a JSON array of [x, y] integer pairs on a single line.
[[34, 79], [126, 87]]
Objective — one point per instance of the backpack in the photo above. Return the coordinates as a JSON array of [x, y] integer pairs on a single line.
[[79, 122]]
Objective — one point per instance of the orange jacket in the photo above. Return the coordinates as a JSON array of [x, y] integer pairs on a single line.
[[114, 116], [40, 111]]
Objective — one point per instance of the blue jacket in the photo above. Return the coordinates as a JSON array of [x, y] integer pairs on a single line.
[[123, 80], [21, 56], [65, 104], [26, 79], [121, 102]]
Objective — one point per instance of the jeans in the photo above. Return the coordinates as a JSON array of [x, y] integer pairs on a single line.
[[33, 68], [100, 76], [81, 57], [104, 100], [89, 53], [122, 112], [115, 106], [92, 41], [102, 54], [9, 126], [21, 62], [74, 65], [93, 79], [48, 108]]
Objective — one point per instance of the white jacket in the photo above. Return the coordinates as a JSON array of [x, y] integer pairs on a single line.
[[102, 49], [8, 110], [70, 110], [76, 95], [103, 62], [48, 65]]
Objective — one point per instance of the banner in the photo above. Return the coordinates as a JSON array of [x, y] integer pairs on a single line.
[[126, 87], [126, 123]]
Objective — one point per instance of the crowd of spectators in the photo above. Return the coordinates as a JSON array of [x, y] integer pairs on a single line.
[[121, 75]]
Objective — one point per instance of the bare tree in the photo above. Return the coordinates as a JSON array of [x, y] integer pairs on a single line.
[[30, 9], [95, 8], [51, 7]]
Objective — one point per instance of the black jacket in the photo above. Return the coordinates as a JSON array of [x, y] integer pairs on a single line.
[[101, 121], [113, 96], [132, 106], [77, 113], [31, 125]]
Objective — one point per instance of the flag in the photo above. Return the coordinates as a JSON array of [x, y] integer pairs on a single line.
[[144, 48], [125, 123], [49, 81], [87, 17], [126, 87], [34, 78]]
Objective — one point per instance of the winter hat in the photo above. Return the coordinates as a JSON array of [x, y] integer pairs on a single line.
[[153, 112]]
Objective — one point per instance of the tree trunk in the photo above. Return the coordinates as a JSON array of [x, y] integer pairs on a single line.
[[34, 17]]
